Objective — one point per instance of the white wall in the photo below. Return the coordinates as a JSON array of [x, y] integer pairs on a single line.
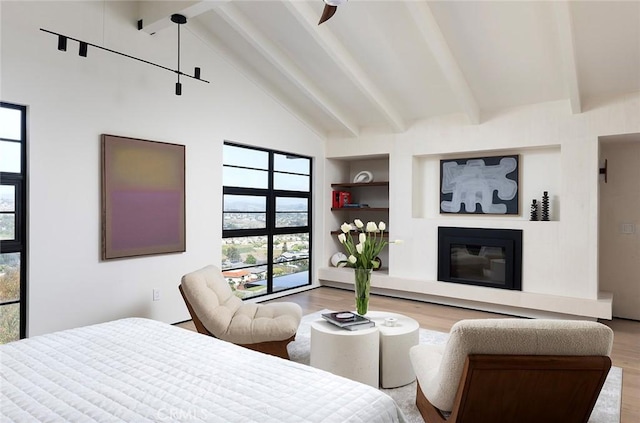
[[559, 151], [72, 100]]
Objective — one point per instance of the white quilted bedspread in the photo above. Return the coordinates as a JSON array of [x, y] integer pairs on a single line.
[[139, 370]]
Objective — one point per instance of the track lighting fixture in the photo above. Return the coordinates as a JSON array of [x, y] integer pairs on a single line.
[[84, 47], [62, 43]]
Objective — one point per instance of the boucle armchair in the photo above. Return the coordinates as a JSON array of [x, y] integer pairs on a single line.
[[513, 370], [217, 312]]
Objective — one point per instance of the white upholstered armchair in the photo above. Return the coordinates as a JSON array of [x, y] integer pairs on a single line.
[[513, 370], [217, 312]]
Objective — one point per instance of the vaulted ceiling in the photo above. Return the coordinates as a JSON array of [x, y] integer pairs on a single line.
[[382, 65]]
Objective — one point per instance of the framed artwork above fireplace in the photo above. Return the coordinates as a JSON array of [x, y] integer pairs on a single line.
[[481, 185]]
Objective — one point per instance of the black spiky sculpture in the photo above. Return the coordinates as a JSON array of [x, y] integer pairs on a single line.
[[545, 206], [534, 210]]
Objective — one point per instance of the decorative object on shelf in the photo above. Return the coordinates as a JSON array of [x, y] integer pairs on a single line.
[[84, 47], [143, 210], [534, 210], [485, 185], [362, 256], [340, 198], [545, 206], [338, 259], [363, 177]]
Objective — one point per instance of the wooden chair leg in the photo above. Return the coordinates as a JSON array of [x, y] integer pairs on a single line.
[[277, 348], [429, 413]]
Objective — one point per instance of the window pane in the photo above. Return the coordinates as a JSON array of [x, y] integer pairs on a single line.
[[10, 156], [244, 212], [245, 157], [7, 226], [10, 126], [247, 203], [291, 261], [9, 323], [290, 247], [291, 220], [246, 178], [7, 198], [288, 182], [244, 265], [9, 277], [285, 163], [243, 251], [291, 212], [244, 221]]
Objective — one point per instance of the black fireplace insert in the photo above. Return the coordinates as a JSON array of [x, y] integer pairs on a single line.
[[485, 257]]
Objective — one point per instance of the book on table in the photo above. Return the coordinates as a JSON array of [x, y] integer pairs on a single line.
[[348, 320]]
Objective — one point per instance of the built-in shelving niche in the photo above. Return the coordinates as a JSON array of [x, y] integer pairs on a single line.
[[540, 170], [341, 174]]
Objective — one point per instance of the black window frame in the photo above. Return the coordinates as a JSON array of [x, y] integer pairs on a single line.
[[271, 229], [19, 243]]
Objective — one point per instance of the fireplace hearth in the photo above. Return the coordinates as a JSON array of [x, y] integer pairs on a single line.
[[484, 257]]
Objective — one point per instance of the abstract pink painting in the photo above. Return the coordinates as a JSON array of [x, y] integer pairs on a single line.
[[143, 197]]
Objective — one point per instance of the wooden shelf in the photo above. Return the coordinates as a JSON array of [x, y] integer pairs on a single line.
[[360, 209], [360, 184]]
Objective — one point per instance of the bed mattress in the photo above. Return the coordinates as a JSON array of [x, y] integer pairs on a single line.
[[140, 370]]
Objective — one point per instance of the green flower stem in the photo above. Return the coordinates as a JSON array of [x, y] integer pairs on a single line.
[[363, 287]]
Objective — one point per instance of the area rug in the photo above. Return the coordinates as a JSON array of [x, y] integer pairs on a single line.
[[607, 409]]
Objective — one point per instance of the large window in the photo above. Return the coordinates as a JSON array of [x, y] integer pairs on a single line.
[[266, 220], [13, 128]]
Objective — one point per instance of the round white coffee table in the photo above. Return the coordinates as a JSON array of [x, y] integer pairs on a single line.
[[351, 354], [395, 342]]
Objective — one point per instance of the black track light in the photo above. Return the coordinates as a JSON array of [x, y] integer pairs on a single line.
[[83, 49], [62, 43]]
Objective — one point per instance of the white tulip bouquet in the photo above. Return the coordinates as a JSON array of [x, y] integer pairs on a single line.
[[362, 256], [370, 241]]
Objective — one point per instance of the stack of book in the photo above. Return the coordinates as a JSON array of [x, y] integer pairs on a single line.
[[348, 320]]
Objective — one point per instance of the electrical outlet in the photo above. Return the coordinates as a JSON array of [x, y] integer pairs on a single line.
[[156, 295]]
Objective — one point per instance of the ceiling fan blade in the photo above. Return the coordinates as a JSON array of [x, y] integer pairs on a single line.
[[328, 12]]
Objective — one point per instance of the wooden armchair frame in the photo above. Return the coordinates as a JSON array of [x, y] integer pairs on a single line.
[[523, 389], [277, 348]]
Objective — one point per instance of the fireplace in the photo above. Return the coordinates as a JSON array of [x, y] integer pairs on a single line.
[[485, 257]]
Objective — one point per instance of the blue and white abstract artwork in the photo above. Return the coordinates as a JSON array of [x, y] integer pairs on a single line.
[[486, 185]]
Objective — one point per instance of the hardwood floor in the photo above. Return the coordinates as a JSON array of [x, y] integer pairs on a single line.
[[626, 343]]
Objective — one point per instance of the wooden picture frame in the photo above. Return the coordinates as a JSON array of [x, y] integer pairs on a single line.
[[480, 185], [142, 196]]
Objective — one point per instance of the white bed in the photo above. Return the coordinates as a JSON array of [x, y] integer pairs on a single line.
[[139, 370]]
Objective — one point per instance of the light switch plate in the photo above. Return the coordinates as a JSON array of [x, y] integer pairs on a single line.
[[627, 228]]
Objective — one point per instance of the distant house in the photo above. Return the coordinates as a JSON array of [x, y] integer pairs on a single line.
[[292, 255]]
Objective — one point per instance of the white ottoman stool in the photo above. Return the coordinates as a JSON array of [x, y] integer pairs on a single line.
[[351, 354], [395, 342]]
